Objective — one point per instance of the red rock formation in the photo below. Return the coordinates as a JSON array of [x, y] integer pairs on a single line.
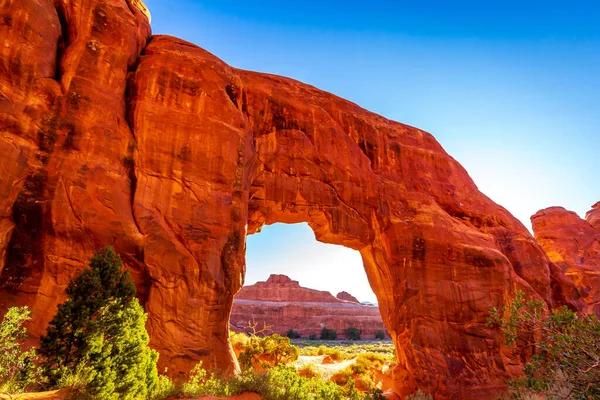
[[347, 297], [593, 216], [574, 245], [172, 156], [283, 304], [282, 288]]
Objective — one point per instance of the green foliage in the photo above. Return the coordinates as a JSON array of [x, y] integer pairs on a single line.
[[268, 351], [17, 366], [328, 334], [98, 337], [292, 334], [565, 356], [312, 336], [200, 383], [348, 349], [352, 333], [419, 395], [164, 389], [363, 369], [334, 353], [278, 383], [379, 335]]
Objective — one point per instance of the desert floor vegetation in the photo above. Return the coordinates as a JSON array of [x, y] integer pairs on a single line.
[[82, 352]]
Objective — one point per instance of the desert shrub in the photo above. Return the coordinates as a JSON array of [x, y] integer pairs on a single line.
[[285, 384], [379, 335], [352, 333], [267, 351], [165, 388], [201, 383], [292, 334], [328, 334], [308, 371], [419, 395], [376, 360], [334, 353], [564, 347], [17, 366], [342, 377], [312, 336], [98, 336]]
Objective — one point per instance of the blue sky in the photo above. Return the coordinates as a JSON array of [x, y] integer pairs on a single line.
[[510, 89]]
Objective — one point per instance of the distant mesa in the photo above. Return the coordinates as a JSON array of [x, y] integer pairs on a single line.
[[347, 297], [283, 304]]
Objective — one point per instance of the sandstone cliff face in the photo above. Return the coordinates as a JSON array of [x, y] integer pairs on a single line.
[[283, 304], [574, 245], [154, 146]]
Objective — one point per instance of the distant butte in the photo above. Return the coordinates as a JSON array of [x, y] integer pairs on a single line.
[[112, 136], [283, 304]]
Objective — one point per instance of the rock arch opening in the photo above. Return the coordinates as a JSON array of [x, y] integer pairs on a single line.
[[293, 282]]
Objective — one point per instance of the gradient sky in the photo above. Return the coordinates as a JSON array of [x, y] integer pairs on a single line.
[[511, 89]]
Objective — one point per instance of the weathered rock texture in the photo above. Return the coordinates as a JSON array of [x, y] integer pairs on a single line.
[[154, 146], [574, 245], [347, 297], [283, 304]]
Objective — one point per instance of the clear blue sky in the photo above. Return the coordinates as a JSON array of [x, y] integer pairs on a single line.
[[511, 89]]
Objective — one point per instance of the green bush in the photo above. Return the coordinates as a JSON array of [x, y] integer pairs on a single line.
[[352, 333], [328, 334], [312, 336], [98, 336], [564, 347], [292, 334], [268, 351], [379, 335], [332, 352], [17, 366]]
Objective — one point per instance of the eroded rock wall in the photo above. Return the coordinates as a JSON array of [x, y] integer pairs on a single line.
[[573, 244], [155, 146]]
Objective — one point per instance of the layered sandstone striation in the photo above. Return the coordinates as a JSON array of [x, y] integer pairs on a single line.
[[574, 245], [282, 304], [110, 136]]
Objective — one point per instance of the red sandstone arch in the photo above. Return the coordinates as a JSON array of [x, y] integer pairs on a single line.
[[173, 157]]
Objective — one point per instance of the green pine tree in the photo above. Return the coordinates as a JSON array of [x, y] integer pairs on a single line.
[[118, 364], [17, 366], [98, 334]]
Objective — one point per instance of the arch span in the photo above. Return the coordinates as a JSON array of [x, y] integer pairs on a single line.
[[159, 148]]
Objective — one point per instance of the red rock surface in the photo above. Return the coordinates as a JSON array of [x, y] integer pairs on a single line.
[[170, 155], [347, 297], [574, 245], [283, 304], [282, 288]]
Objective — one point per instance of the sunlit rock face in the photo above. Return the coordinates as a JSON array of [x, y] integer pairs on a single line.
[[574, 245], [347, 297], [152, 145], [282, 304]]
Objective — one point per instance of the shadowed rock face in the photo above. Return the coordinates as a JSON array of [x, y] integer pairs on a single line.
[[155, 146], [574, 245]]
